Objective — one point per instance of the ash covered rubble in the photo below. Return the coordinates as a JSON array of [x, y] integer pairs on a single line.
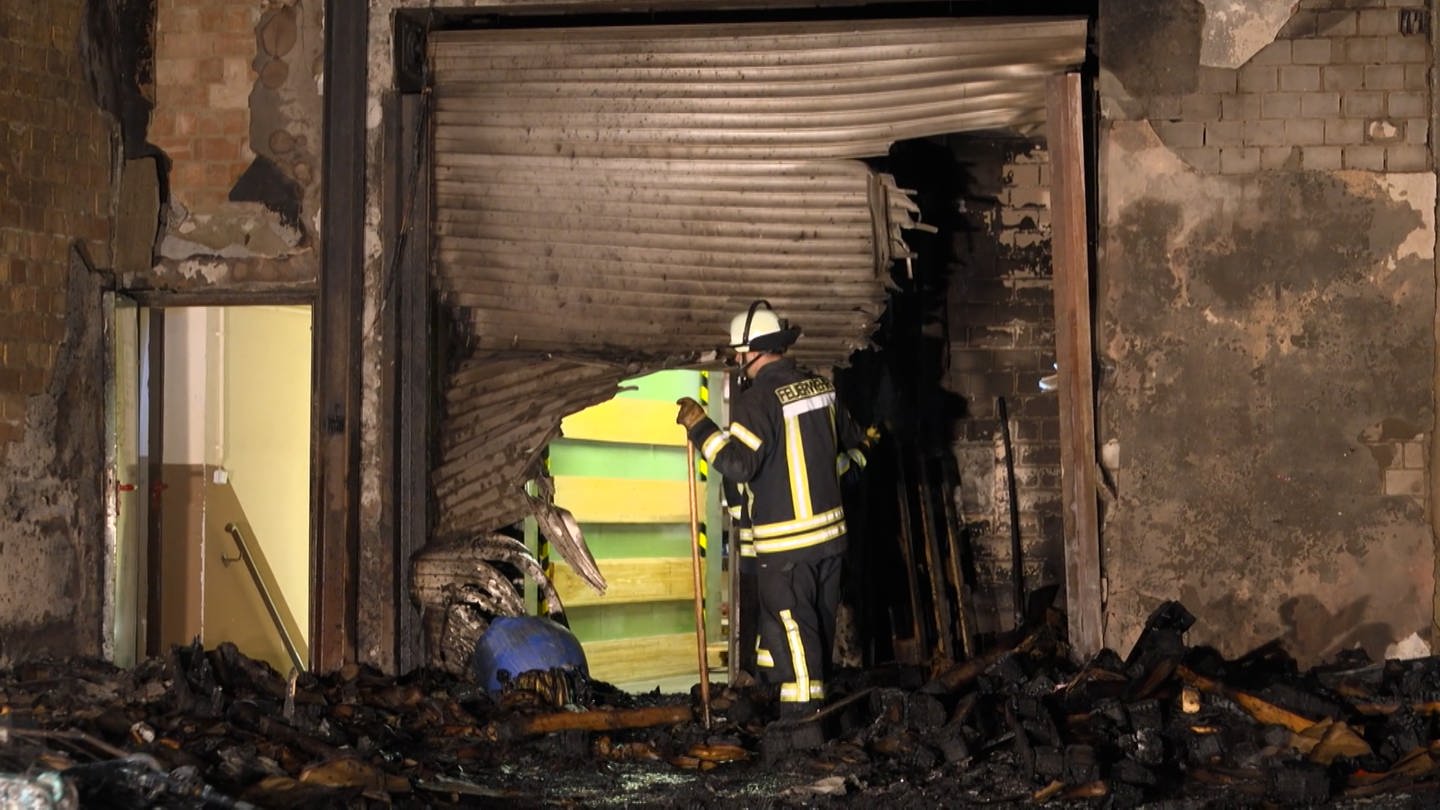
[[1168, 725]]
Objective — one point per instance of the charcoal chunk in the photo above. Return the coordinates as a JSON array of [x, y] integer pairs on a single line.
[[1298, 783], [1162, 639], [1049, 762], [1081, 764], [1131, 772]]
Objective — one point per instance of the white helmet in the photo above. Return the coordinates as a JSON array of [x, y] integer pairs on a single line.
[[759, 329]]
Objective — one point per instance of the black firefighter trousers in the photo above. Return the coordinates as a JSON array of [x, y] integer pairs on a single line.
[[798, 602]]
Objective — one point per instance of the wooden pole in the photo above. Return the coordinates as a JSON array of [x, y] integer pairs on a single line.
[[1074, 355], [699, 587]]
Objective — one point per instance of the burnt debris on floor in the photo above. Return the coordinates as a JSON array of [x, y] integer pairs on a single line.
[[1167, 725]]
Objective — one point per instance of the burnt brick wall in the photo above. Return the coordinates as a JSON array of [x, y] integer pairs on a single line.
[[1002, 343], [55, 159], [1342, 86], [203, 74], [56, 155], [1265, 305]]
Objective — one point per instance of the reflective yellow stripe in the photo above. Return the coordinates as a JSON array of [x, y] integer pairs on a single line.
[[763, 658], [848, 459], [858, 457], [797, 658], [748, 550], [800, 540], [793, 526], [714, 445], [746, 437], [735, 512], [790, 693], [817, 690], [799, 480]]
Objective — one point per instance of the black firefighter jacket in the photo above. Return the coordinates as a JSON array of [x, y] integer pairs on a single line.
[[786, 438]]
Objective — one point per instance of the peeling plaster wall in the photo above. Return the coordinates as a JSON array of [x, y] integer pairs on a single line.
[[236, 125], [1265, 324], [376, 568]]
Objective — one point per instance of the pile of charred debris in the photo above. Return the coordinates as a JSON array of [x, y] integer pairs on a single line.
[[1168, 725]]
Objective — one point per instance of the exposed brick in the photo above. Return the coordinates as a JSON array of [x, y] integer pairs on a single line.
[[1369, 158], [1407, 105], [1321, 158], [1342, 77], [1405, 482], [1265, 132], [1365, 51], [1362, 104], [1384, 77], [1225, 133], [1280, 105], [1244, 106], [1417, 77], [1258, 78], [1276, 53], [1376, 22], [1239, 160], [1023, 174], [1311, 52], [1304, 132], [1302, 24], [1413, 50], [1182, 134], [1414, 456], [1417, 131], [1320, 105], [1299, 78], [1280, 157], [1335, 23], [1407, 158]]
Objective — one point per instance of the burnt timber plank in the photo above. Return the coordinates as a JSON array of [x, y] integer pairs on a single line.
[[1064, 125], [335, 563]]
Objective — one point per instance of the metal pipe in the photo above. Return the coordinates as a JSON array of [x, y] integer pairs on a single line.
[[265, 596], [1017, 573]]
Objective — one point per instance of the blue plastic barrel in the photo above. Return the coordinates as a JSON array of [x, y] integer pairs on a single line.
[[517, 644]]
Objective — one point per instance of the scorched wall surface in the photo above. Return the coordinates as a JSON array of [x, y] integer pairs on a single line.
[[1265, 323]]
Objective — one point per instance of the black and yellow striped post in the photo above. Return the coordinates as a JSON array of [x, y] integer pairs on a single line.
[[542, 551], [702, 467]]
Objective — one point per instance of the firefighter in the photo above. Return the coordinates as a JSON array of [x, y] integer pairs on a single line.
[[785, 435]]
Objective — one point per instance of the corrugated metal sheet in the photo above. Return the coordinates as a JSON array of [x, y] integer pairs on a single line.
[[631, 257], [752, 91], [615, 194], [501, 412]]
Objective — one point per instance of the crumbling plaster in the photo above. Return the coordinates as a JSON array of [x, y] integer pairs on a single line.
[[1236, 30], [265, 235], [375, 560], [1262, 334], [51, 502]]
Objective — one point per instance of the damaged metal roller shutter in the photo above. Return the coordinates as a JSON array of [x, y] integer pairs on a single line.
[[621, 189], [606, 197]]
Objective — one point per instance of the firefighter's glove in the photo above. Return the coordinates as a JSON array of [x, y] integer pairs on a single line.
[[691, 412]]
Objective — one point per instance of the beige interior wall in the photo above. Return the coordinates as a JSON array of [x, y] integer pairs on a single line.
[[267, 437], [237, 451]]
